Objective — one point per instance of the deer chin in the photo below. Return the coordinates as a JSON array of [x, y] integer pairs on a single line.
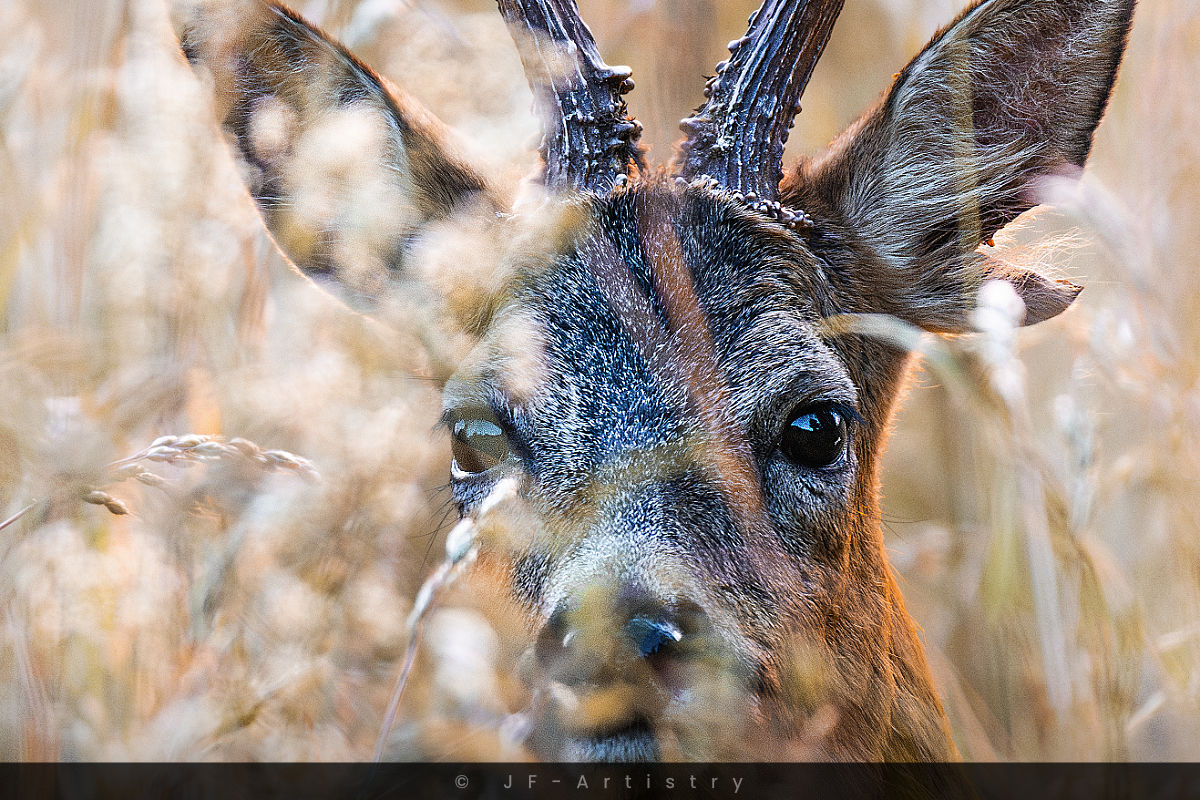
[[635, 741], [609, 721], [567, 731], [644, 712]]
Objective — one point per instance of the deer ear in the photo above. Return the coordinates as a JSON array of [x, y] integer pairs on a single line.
[[347, 174], [1005, 96]]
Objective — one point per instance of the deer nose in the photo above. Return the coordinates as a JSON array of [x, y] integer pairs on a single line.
[[576, 650]]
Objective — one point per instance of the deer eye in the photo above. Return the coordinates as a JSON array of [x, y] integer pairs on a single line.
[[815, 436], [478, 443]]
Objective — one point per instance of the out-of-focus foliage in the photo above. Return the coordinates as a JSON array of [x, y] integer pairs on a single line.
[[1041, 493]]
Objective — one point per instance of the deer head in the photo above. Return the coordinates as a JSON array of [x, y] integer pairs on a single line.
[[696, 449]]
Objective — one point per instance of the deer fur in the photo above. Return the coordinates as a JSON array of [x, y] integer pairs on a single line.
[[672, 326]]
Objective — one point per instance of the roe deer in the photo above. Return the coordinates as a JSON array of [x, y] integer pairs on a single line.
[[698, 450]]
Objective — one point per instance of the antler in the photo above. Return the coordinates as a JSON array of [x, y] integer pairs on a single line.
[[737, 136], [589, 140]]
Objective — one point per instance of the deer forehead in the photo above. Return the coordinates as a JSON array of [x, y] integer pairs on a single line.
[[666, 311]]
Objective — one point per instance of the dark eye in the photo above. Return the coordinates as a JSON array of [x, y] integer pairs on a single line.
[[815, 436], [478, 443]]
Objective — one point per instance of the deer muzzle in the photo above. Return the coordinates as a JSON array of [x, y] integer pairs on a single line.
[[630, 640]]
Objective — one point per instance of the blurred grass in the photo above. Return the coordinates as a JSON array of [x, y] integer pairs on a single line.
[[1048, 535]]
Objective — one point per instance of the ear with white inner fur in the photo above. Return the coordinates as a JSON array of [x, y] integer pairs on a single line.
[[1007, 95], [347, 174]]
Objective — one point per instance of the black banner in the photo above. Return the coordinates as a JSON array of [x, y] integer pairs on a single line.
[[600, 781]]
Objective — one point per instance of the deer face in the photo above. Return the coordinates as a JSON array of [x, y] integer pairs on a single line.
[[695, 443], [690, 441]]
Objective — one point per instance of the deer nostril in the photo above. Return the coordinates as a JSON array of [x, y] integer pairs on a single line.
[[653, 636], [664, 638], [668, 641], [555, 639]]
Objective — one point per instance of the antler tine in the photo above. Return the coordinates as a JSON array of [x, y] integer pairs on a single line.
[[737, 136], [589, 140]]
